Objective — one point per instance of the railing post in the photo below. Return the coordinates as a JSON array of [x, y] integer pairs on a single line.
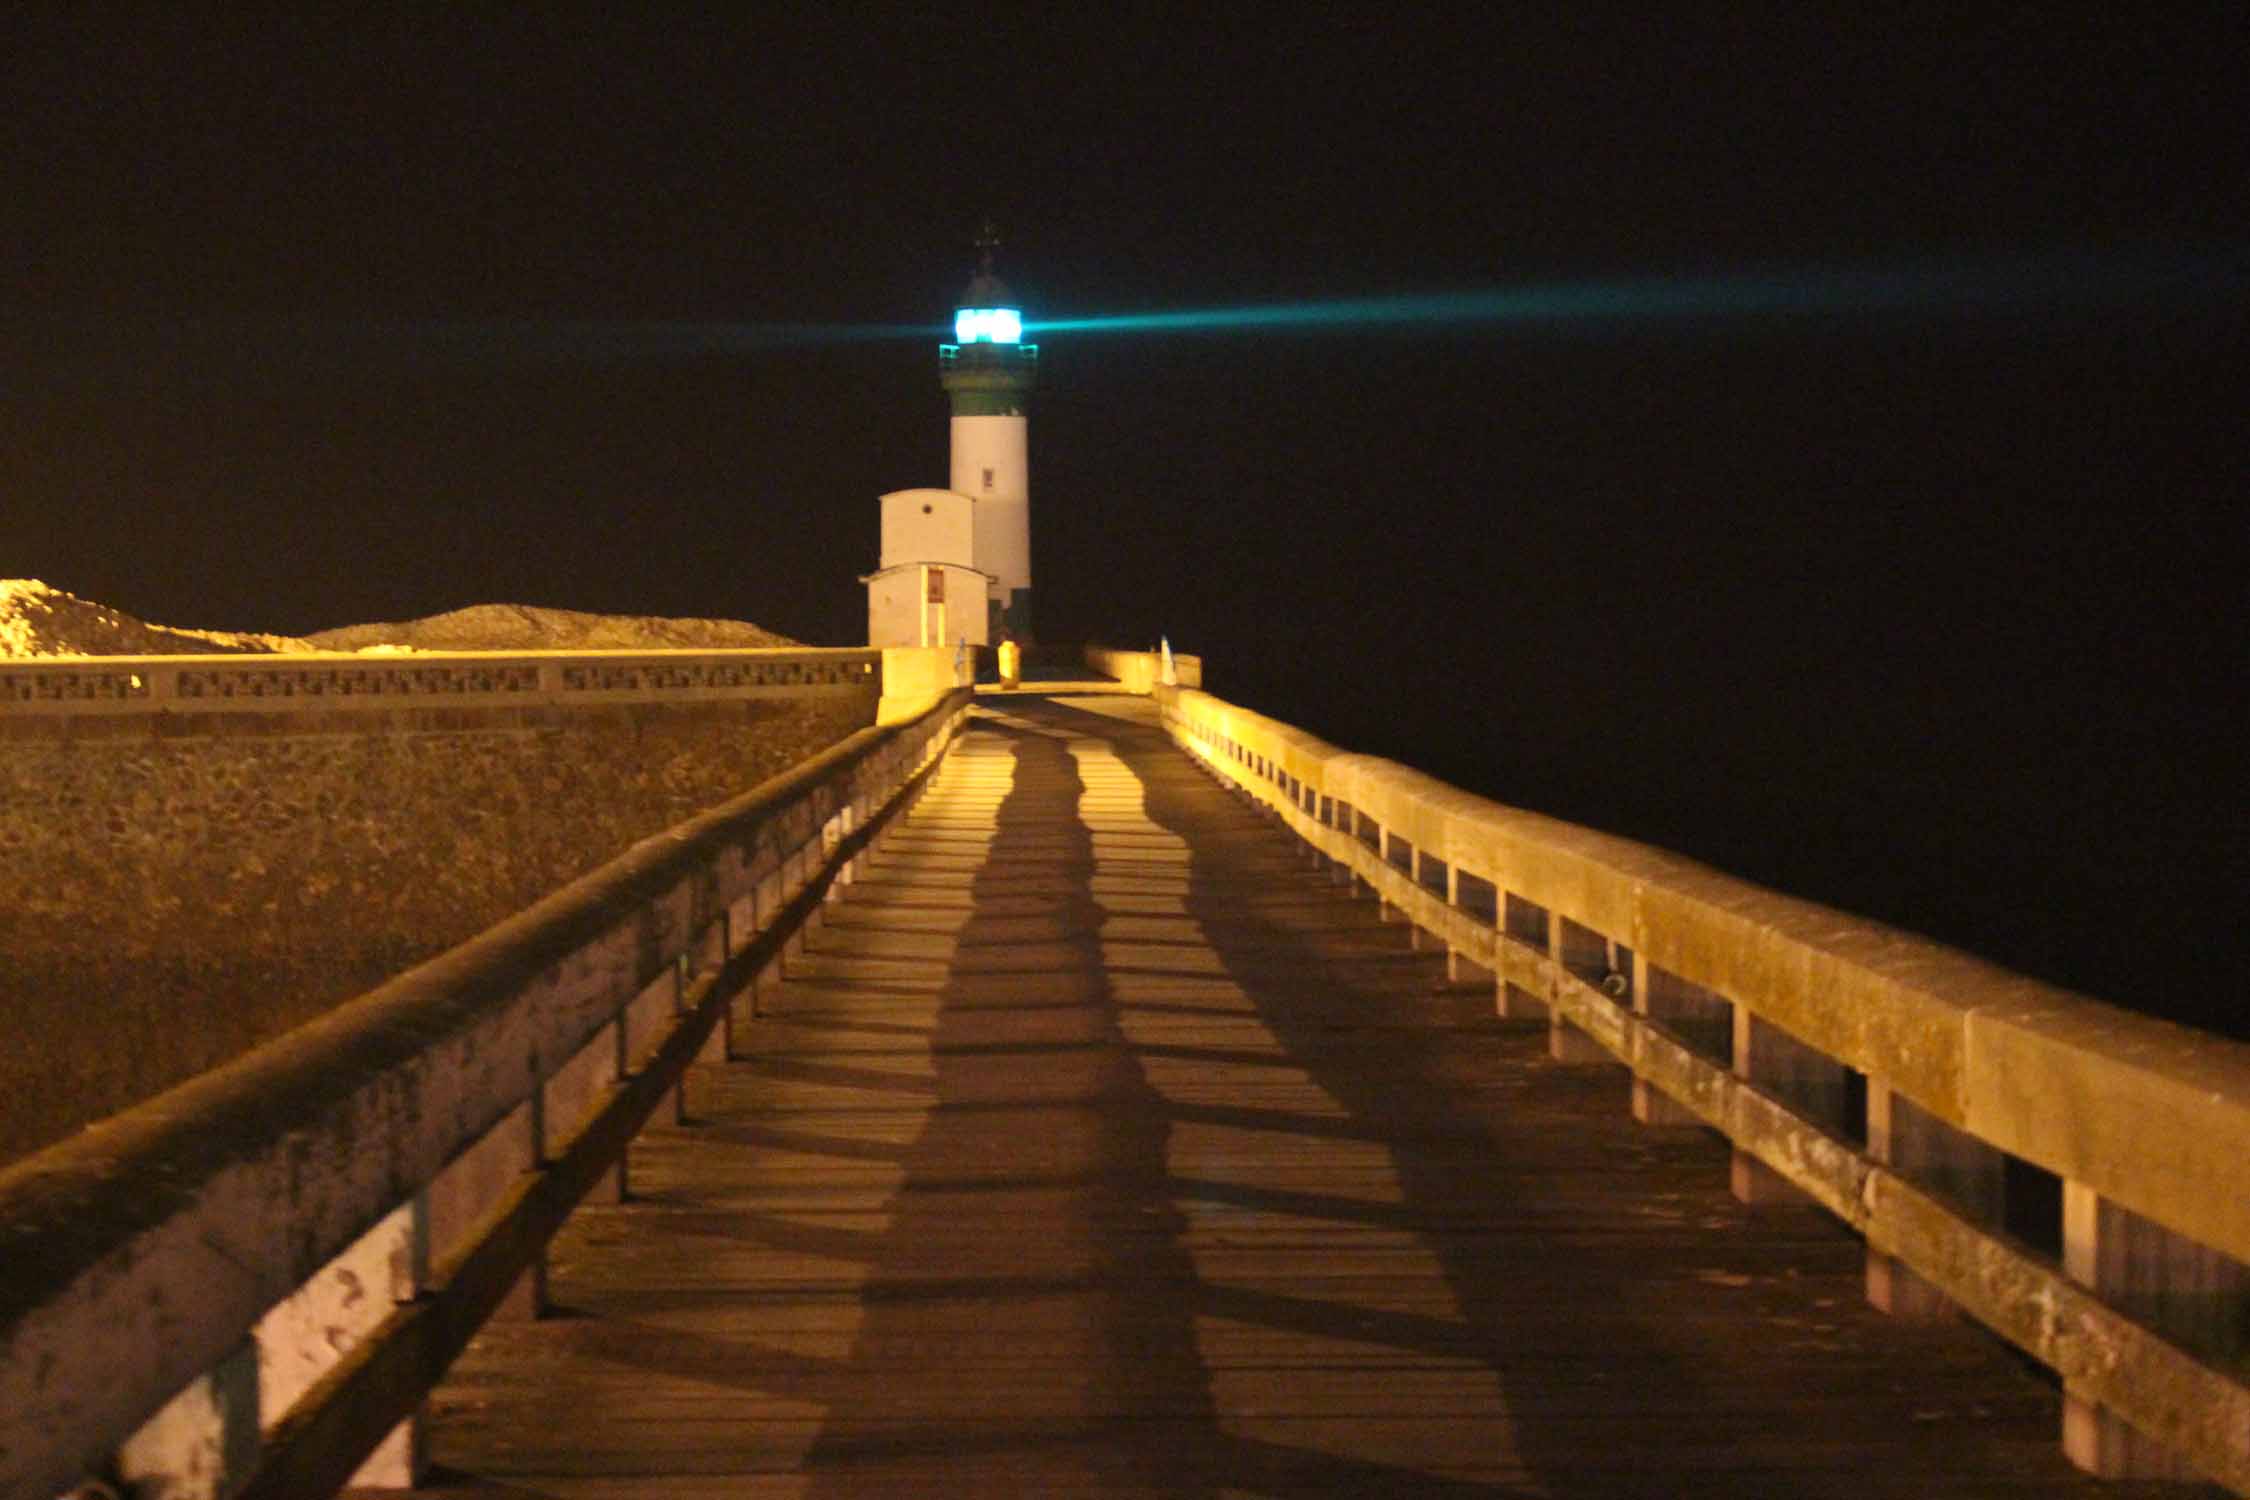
[[1514, 1003], [528, 1298], [204, 1442], [1969, 1175], [1751, 1180], [1565, 1042], [621, 1036], [1518, 921], [460, 1196], [765, 900], [796, 871], [1651, 1105], [862, 808], [1807, 1080], [717, 944], [833, 837], [2190, 1294], [570, 1094], [1384, 911], [317, 1325], [1894, 1140], [1413, 874], [1454, 962], [682, 968]]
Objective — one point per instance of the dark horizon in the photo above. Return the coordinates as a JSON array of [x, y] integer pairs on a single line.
[[1928, 614]]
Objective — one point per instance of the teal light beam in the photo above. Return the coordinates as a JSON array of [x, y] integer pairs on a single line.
[[2055, 286], [52, 349], [594, 338], [2050, 284]]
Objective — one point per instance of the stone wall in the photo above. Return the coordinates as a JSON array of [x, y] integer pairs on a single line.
[[168, 901]]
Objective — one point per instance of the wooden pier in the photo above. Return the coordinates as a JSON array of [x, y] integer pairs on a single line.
[[1101, 1142]]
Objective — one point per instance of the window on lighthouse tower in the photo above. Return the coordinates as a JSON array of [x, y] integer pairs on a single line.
[[988, 480]]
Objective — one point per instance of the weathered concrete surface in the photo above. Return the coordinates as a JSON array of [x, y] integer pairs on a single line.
[[1099, 1145]]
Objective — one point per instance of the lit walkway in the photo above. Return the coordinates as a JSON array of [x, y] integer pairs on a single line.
[[1101, 1144]]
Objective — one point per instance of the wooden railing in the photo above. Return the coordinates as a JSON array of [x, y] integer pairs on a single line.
[[251, 1282], [2071, 1175]]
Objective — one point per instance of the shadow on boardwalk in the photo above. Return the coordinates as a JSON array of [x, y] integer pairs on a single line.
[[1101, 1145], [1047, 1132]]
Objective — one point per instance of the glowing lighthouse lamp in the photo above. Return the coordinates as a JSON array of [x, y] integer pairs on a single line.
[[987, 325]]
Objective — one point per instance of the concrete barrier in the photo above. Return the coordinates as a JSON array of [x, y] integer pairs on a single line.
[[1922, 1095], [246, 1285], [353, 683], [914, 677], [1143, 671]]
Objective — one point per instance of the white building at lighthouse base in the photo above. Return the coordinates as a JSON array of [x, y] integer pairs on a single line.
[[928, 590]]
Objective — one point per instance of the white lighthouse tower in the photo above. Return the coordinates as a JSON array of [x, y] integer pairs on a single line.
[[956, 562], [988, 372]]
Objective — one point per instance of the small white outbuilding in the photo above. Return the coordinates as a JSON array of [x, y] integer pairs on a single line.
[[927, 591]]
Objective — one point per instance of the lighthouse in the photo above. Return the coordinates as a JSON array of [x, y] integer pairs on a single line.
[[956, 562], [987, 372]]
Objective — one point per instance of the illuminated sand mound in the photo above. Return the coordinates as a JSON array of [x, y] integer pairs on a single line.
[[527, 627], [36, 620], [39, 620]]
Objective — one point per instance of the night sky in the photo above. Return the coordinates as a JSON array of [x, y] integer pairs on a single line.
[[1929, 611]]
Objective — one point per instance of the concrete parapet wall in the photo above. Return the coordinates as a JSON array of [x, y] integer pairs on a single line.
[[914, 677], [1143, 671], [2146, 1124], [37, 691]]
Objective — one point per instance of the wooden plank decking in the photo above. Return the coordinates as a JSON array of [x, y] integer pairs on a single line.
[[1099, 1144]]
